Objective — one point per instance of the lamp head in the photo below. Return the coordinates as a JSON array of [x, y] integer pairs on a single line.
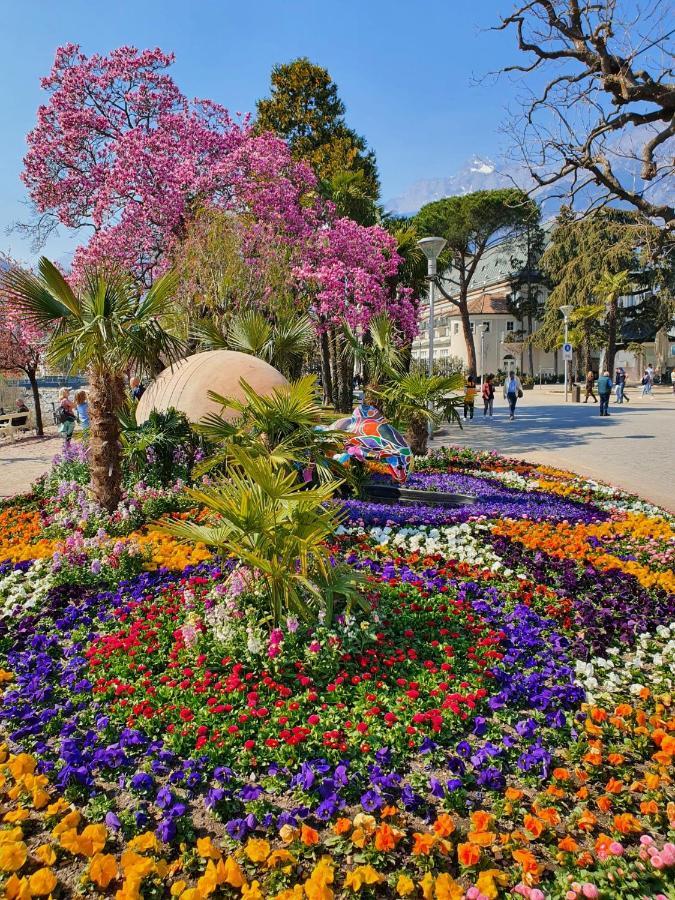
[[566, 309], [432, 247]]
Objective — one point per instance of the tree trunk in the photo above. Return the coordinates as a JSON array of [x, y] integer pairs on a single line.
[[346, 366], [417, 436], [326, 376], [468, 337], [39, 427], [334, 368], [611, 335], [587, 349], [105, 453], [530, 350]]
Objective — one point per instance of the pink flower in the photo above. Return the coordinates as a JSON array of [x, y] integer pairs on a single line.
[[616, 849], [314, 647], [657, 861], [589, 890]]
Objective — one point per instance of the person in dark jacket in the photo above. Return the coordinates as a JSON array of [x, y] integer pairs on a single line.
[[605, 392], [620, 386], [590, 381]]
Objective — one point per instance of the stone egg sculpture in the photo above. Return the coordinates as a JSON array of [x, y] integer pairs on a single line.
[[185, 385]]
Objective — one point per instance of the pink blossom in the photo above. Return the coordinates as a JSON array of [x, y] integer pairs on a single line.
[[616, 849], [589, 890]]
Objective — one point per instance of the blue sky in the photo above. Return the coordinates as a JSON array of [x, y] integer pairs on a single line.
[[404, 70]]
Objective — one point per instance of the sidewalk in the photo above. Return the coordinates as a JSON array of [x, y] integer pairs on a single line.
[[25, 460], [633, 449]]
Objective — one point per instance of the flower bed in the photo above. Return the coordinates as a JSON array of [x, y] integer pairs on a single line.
[[501, 723]]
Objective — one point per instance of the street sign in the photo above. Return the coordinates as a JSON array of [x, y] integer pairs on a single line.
[[567, 351]]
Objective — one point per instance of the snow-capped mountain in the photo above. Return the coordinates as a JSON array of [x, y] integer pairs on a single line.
[[477, 174], [482, 174]]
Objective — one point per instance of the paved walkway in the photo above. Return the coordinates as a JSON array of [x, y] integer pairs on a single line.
[[25, 460], [633, 449]]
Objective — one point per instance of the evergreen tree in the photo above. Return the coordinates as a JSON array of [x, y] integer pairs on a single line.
[[582, 254], [304, 108], [471, 224]]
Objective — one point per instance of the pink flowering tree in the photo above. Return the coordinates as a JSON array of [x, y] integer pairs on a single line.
[[22, 346], [119, 152]]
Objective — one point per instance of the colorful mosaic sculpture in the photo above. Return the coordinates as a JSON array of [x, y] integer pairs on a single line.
[[375, 442]]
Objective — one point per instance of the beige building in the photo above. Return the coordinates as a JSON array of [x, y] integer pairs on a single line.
[[499, 337], [495, 328]]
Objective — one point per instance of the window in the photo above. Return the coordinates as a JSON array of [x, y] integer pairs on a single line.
[[471, 326], [487, 327], [455, 328], [444, 352], [509, 326]]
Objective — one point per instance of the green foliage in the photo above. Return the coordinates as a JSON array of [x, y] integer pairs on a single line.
[[161, 450], [414, 398], [352, 196], [279, 529], [106, 326], [582, 255], [470, 221], [379, 351], [304, 108], [283, 343], [283, 425]]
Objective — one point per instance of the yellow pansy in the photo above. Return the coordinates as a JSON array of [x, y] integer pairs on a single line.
[[102, 869], [362, 875], [207, 849], [57, 807], [229, 872], [280, 858], [11, 835], [427, 886], [257, 849], [446, 888], [209, 880], [16, 815], [45, 853], [144, 842], [136, 866], [21, 764], [42, 882], [177, 888], [405, 886], [12, 856], [17, 888], [252, 891], [67, 823]]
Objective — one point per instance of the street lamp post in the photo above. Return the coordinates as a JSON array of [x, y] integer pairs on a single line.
[[432, 247], [482, 328], [566, 309]]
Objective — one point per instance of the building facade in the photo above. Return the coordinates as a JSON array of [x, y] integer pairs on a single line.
[[499, 337]]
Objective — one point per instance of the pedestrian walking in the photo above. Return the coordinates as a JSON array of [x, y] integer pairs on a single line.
[[672, 379], [469, 397], [590, 381], [65, 415], [488, 394], [620, 385], [513, 390], [646, 383], [605, 392]]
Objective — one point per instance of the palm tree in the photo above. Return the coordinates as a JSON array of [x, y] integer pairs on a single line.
[[414, 401], [609, 289], [351, 194], [284, 425], [104, 329], [268, 521], [283, 344], [379, 351]]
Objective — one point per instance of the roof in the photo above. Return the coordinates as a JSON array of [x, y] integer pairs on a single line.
[[500, 262], [483, 306]]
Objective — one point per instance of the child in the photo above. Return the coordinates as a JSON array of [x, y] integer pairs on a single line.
[[469, 397], [82, 409]]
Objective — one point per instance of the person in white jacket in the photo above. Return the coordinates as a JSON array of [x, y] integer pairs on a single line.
[[513, 389]]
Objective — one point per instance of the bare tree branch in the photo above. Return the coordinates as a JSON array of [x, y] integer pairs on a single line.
[[607, 108]]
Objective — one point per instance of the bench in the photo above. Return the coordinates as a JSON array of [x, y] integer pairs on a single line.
[[12, 423]]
